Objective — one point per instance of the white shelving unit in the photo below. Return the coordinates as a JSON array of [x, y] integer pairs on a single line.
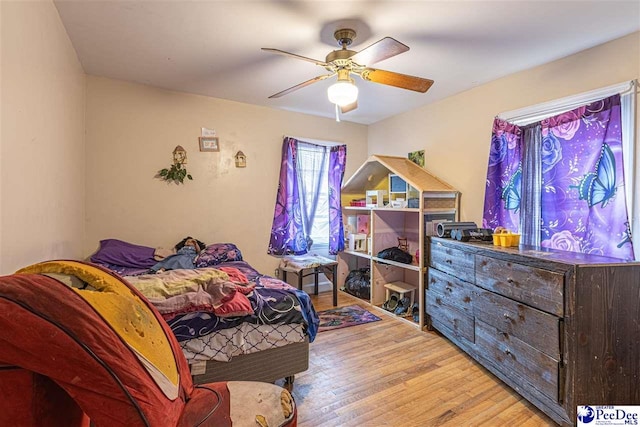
[[430, 198]]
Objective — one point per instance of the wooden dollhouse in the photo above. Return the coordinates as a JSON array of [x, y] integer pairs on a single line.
[[413, 200]]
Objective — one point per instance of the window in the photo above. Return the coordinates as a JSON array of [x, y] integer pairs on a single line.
[[313, 163], [307, 211], [557, 134]]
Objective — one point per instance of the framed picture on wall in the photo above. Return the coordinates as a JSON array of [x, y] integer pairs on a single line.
[[209, 143]]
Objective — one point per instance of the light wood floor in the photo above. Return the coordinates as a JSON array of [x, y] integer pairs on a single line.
[[389, 373]]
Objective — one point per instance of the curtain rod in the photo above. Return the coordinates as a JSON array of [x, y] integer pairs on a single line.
[[537, 112], [314, 141]]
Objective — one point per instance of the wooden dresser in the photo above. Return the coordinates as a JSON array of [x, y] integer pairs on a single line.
[[561, 328]]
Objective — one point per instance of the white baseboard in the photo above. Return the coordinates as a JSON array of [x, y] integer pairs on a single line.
[[323, 286]]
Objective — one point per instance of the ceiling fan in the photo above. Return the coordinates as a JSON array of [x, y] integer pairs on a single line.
[[344, 62]]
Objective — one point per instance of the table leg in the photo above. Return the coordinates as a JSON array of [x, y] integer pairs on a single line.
[[315, 280], [334, 279]]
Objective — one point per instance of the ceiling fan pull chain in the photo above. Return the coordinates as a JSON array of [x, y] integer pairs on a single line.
[[337, 112]]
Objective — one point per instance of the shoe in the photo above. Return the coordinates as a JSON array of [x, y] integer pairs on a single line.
[[415, 312], [403, 306], [391, 303]]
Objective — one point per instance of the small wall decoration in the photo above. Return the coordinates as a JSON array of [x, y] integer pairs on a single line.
[[241, 160], [209, 143], [179, 155], [417, 157], [177, 172], [207, 132]]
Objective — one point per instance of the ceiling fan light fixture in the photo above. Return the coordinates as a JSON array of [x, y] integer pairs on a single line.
[[343, 93], [344, 62]]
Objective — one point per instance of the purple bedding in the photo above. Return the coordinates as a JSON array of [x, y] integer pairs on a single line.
[[120, 253], [122, 270], [273, 301]]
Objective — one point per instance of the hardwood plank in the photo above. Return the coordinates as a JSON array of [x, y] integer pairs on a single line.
[[389, 373]]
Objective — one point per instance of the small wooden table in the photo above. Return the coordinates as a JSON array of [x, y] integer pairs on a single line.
[[402, 288], [306, 265]]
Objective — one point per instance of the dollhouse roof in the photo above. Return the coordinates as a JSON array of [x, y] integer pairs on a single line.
[[374, 172]]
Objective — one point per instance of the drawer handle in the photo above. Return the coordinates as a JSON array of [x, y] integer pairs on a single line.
[[449, 289], [448, 261], [506, 316], [510, 280], [508, 353]]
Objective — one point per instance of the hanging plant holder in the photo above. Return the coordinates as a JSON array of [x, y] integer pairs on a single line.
[[179, 155], [177, 172]]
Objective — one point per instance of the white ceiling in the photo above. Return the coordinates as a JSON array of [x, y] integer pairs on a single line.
[[213, 47]]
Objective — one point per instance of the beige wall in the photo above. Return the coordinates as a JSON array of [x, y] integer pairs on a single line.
[[131, 132], [132, 129], [42, 138], [456, 131]]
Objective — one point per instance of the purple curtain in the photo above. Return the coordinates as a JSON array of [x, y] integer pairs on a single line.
[[582, 202], [337, 162], [583, 198], [504, 177], [288, 232]]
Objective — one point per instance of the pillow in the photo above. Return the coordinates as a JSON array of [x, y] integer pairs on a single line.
[[218, 253], [113, 251]]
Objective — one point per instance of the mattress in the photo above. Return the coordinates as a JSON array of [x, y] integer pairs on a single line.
[[245, 338]]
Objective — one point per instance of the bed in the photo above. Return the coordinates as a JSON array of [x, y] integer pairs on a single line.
[[233, 323]]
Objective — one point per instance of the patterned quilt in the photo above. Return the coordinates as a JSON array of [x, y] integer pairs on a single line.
[[198, 309]]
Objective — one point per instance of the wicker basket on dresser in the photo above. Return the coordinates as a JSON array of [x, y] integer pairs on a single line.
[[561, 328]]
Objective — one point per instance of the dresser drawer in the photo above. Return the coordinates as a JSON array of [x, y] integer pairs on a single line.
[[445, 315], [536, 328], [516, 358], [457, 263], [536, 287], [453, 291]]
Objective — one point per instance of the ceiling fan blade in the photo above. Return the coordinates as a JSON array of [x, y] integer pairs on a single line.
[[301, 85], [402, 81], [293, 55], [379, 51], [349, 107]]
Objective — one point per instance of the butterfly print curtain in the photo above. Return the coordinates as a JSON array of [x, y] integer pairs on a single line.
[[288, 234], [502, 193], [582, 201]]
